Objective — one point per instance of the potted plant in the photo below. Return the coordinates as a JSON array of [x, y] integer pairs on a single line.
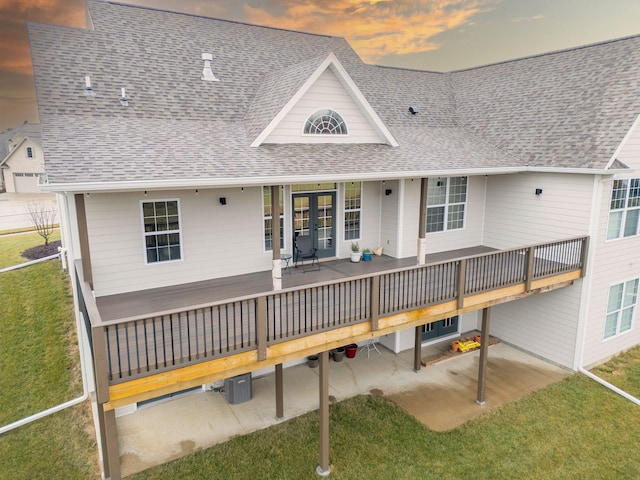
[[355, 252], [337, 354], [366, 254]]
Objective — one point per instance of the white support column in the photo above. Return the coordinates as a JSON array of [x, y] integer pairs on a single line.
[[276, 274]]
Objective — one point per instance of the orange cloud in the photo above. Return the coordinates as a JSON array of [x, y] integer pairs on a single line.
[[14, 44], [373, 28]]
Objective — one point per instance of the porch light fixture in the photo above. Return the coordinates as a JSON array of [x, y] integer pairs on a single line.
[[223, 200], [538, 191], [412, 111]]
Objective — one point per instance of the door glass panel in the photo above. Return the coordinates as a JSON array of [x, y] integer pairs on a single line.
[[301, 215], [325, 221]]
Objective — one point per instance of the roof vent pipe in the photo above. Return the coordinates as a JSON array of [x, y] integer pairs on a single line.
[[87, 86], [124, 101], [207, 74]]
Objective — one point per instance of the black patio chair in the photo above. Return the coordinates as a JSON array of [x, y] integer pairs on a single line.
[[304, 250]]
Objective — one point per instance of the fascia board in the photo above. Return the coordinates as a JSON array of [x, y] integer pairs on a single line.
[[181, 184], [634, 126]]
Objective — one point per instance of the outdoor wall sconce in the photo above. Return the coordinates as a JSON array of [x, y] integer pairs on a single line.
[[412, 110], [388, 192], [538, 191], [223, 200]]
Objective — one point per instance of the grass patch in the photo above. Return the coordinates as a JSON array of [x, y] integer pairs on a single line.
[[623, 371], [39, 368], [38, 353], [14, 245], [60, 446], [573, 429]]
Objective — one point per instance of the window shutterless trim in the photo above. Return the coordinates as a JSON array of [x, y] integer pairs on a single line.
[[147, 234]]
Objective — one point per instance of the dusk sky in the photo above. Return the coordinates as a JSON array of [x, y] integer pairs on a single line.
[[436, 35]]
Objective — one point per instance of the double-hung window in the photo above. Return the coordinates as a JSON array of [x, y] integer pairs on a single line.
[[446, 203], [621, 306], [161, 220], [624, 208], [352, 210], [267, 215]]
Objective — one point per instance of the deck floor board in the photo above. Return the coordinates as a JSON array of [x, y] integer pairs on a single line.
[[148, 302]]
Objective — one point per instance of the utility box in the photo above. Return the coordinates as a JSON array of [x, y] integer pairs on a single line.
[[238, 389]]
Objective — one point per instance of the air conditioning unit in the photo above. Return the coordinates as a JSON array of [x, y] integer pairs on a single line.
[[238, 389]]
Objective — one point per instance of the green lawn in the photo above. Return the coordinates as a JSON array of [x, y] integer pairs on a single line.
[[11, 247], [39, 368], [575, 429]]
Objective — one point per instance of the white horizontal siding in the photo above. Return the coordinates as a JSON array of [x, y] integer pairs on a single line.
[[544, 324], [516, 216], [326, 92], [614, 261], [370, 215], [411, 218], [217, 240], [389, 218]]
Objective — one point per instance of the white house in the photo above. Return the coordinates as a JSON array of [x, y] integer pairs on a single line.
[[505, 198], [21, 159]]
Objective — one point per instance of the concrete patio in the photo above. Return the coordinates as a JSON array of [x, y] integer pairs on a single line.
[[442, 396]]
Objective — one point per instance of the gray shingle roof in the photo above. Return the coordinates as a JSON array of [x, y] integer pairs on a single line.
[[568, 108], [565, 109]]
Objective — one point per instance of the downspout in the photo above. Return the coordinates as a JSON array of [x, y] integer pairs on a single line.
[[609, 386], [85, 391]]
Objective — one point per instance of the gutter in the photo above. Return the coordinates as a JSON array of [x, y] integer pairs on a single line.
[[177, 184]]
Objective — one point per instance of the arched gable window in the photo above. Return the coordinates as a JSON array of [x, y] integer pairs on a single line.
[[325, 122]]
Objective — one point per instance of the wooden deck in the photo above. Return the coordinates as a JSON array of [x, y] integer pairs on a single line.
[[153, 302], [159, 341]]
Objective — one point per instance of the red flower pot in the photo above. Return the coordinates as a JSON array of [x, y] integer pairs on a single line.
[[351, 350]]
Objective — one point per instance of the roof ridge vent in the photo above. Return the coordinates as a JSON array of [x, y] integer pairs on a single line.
[[207, 74]]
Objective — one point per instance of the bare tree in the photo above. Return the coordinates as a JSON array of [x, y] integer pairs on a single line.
[[43, 218]]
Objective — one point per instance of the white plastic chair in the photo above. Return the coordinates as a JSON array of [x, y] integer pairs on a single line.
[[371, 345]]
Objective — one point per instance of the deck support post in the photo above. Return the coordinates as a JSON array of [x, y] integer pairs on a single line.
[[417, 349], [462, 281], [83, 237], [276, 269], [279, 392], [324, 469], [484, 350], [108, 438], [422, 222]]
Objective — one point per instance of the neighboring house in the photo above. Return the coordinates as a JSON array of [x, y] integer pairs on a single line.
[[21, 159], [505, 197]]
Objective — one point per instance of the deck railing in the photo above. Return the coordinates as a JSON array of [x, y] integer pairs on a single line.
[[146, 345]]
